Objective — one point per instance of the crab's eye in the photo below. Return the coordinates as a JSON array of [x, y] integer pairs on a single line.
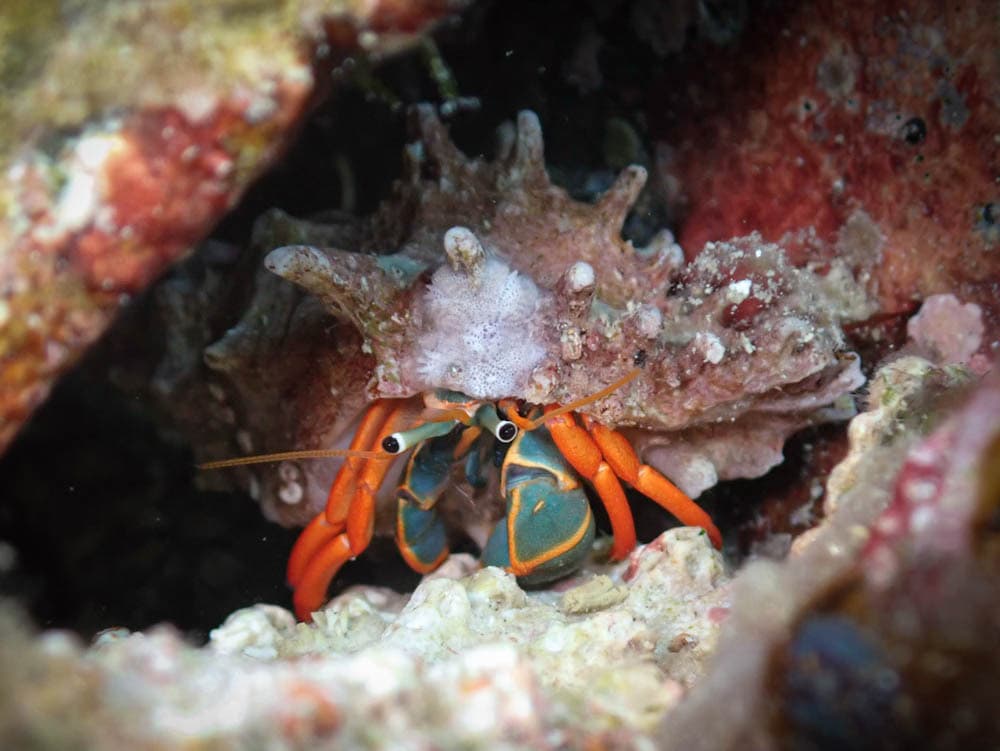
[[397, 443], [505, 431]]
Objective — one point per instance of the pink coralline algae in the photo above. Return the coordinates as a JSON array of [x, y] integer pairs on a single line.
[[880, 627], [947, 331], [139, 126], [933, 509], [484, 277], [873, 124]]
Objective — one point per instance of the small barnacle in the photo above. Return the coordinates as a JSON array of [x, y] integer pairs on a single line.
[[710, 346], [464, 251], [290, 477], [578, 286], [571, 344], [580, 277]]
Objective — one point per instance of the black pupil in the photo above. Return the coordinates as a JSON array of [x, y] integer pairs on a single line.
[[914, 131], [507, 432], [390, 444]]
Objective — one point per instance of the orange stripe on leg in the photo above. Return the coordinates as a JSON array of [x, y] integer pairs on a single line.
[[310, 592], [616, 448], [361, 516], [657, 487], [311, 540], [613, 497], [338, 502], [575, 444]]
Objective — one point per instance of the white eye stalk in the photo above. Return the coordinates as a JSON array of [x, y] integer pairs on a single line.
[[397, 443], [503, 430]]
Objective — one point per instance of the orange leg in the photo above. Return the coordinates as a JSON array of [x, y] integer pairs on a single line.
[[338, 501], [344, 529], [619, 454], [579, 449]]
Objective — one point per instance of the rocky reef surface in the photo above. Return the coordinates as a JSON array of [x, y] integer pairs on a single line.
[[845, 641], [469, 660], [129, 130], [831, 202]]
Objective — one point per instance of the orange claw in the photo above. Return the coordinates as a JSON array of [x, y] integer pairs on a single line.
[[344, 528], [317, 535]]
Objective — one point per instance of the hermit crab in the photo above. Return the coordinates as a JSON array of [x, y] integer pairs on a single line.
[[547, 529], [477, 299]]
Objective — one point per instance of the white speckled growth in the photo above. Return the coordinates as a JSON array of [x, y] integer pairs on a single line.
[[478, 335]]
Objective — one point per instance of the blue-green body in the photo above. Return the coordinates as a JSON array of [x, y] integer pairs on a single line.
[[548, 527]]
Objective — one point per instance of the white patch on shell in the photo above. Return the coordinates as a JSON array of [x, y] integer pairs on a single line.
[[580, 276], [739, 291], [710, 346], [649, 320], [479, 338]]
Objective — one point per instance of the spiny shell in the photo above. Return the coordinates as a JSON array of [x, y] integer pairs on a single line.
[[486, 278]]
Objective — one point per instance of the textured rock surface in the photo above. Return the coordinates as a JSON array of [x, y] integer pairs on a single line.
[[879, 627], [864, 132], [470, 660], [851, 640], [872, 126], [129, 129]]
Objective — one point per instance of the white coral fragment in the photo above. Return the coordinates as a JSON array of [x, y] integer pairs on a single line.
[[710, 346]]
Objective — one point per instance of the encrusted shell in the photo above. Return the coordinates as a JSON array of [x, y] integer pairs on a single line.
[[484, 277]]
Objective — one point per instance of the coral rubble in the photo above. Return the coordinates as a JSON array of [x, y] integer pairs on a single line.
[[879, 626], [129, 129], [468, 660]]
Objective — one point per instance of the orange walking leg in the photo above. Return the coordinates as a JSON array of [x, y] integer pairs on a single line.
[[310, 592], [579, 449], [330, 522], [341, 495], [620, 455]]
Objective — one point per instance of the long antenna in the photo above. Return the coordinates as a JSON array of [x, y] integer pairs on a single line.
[[445, 415], [573, 406], [285, 455]]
